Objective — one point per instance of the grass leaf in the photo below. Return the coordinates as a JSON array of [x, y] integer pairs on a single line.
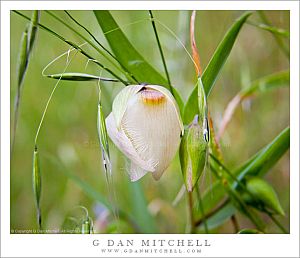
[[214, 67]]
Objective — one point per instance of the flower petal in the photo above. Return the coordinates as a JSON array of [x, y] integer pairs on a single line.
[[172, 99], [124, 144], [136, 172], [153, 126], [120, 102]]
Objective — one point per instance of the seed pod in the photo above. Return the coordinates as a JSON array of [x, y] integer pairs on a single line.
[[193, 151], [103, 139], [36, 180], [33, 29], [145, 124], [87, 226], [22, 61], [264, 193]]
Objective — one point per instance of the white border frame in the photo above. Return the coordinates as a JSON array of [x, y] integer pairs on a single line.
[[271, 245]]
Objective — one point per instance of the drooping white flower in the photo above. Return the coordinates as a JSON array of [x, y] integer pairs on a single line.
[[145, 125]]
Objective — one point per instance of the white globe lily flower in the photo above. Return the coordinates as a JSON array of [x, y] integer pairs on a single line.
[[145, 124]]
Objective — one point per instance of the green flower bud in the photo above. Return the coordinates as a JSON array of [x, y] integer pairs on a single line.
[[263, 193], [193, 151]]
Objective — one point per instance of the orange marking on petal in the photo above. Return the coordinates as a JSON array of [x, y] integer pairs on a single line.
[[150, 96]]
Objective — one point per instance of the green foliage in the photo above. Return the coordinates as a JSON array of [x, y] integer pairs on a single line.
[[132, 212], [257, 165], [214, 67]]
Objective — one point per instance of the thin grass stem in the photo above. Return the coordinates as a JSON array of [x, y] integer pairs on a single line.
[[49, 99], [75, 46], [177, 39], [101, 45], [161, 51], [85, 39]]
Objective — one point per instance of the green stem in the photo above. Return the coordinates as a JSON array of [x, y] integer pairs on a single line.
[[48, 102], [161, 51]]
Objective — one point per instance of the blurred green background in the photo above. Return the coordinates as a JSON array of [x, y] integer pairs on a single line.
[[69, 132]]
